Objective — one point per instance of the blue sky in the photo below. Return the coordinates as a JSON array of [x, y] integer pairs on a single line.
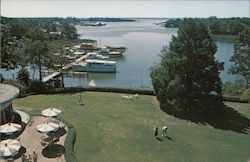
[[123, 8]]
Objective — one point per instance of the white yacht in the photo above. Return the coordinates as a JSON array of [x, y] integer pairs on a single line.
[[93, 65]]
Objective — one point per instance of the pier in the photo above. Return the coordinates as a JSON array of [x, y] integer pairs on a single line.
[[56, 73]]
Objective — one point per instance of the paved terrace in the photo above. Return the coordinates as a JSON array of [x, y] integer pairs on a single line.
[[31, 140]]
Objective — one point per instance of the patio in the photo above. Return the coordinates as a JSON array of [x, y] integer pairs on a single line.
[[31, 140]]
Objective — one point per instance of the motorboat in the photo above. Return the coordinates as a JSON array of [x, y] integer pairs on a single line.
[[94, 65], [115, 53]]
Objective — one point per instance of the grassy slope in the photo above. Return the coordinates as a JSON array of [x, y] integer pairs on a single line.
[[111, 129]]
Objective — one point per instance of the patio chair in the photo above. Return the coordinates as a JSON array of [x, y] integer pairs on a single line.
[[44, 143], [31, 122], [56, 139]]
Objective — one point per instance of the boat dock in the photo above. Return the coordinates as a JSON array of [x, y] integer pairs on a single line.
[[56, 73]]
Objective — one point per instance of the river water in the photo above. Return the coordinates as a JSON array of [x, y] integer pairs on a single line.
[[144, 41]]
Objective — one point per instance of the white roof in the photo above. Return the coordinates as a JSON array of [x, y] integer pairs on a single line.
[[100, 61]]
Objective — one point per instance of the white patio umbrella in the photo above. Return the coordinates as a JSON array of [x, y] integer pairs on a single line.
[[10, 128], [51, 112], [47, 127], [9, 147]]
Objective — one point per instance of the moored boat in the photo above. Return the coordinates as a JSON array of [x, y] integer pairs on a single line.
[[94, 65], [115, 53]]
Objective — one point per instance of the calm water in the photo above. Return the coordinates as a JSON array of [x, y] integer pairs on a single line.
[[144, 42]]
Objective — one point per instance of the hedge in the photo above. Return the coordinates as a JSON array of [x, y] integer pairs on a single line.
[[69, 142], [235, 99], [104, 89], [131, 91]]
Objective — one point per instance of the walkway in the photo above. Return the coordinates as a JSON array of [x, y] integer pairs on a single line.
[[48, 77]]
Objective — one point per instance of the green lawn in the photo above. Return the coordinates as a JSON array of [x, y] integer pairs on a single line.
[[110, 129]]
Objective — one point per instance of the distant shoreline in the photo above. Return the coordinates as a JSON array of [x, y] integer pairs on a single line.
[[106, 19]]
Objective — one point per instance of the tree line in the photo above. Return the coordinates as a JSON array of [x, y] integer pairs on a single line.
[[223, 26]]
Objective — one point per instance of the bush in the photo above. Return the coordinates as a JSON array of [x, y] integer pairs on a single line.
[[246, 95], [38, 87], [1, 78], [104, 89], [234, 99], [23, 77], [69, 142], [233, 89]]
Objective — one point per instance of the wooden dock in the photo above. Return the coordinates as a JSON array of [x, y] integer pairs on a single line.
[[56, 73]]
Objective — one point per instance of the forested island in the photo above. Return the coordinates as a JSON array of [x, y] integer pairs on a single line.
[[221, 26]]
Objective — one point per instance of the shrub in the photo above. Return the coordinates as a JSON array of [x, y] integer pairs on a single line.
[[38, 87], [69, 142], [104, 89], [246, 95], [23, 77], [233, 89], [234, 99]]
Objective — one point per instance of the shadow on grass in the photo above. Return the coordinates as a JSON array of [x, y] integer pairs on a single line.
[[227, 119], [159, 139], [53, 151]]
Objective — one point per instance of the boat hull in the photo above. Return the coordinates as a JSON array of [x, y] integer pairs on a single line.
[[94, 69]]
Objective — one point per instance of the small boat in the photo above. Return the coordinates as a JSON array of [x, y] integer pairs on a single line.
[[92, 83], [115, 53], [118, 49], [94, 65]]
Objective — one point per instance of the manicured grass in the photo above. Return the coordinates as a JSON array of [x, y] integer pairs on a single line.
[[110, 129]]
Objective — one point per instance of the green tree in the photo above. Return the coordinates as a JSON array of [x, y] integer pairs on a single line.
[[188, 75], [241, 57], [38, 33], [69, 31], [38, 55], [8, 44], [59, 60]]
